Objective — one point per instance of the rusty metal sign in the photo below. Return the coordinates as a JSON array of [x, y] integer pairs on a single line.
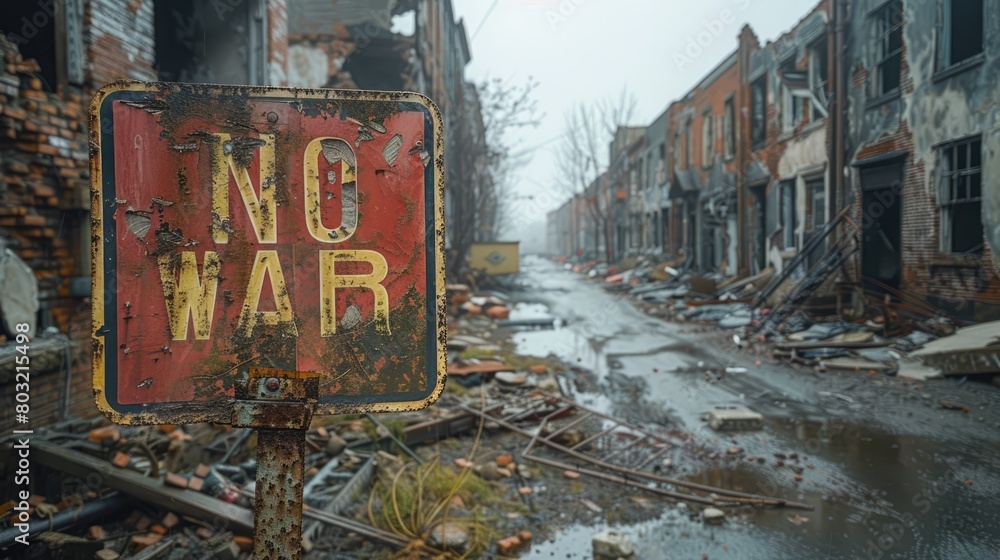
[[239, 228]]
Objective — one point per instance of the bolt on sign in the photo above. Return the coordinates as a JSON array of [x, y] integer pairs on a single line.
[[252, 228]]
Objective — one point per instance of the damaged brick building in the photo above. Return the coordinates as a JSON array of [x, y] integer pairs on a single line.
[[57, 53], [870, 130]]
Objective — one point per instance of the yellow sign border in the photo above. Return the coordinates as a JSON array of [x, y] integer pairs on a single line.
[[221, 410]]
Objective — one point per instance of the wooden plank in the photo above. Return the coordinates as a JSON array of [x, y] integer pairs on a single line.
[[150, 490]]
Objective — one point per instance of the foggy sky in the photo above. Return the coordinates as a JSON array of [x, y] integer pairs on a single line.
[[582, 50]]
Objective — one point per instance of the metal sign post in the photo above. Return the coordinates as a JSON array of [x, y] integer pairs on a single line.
[[279, 405], [261, 255]]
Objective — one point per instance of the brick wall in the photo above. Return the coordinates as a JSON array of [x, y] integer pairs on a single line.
[[119, 40], [277, 22], [44, 197]]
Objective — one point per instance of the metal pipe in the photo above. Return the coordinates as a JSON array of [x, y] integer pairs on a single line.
[[631, 472], [90, 511]]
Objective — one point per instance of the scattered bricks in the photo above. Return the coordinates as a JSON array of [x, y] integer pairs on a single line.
[[524, 490], [196, 484], [572, 475], [120, 460], [204, 532], [175, 480], [504, 460], [463, 463], [140, 542], [525, 536], [505, 546], [143, 523], [245, 543], [538, 369], [170, 520], [202, 470], [106, 554], [96, 532], [158, 529], [133, 518], [105, 433]]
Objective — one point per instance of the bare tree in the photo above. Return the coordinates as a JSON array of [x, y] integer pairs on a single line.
[[583, 155], [481, 175]]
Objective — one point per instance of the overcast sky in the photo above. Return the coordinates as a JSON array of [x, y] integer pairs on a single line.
[[582, 50]]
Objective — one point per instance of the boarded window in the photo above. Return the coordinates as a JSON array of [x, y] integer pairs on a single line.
[[961, 196]]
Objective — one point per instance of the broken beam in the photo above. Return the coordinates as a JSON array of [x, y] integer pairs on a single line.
[[151, 490]]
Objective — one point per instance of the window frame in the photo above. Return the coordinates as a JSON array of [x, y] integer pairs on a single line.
[[949, 181], [789, 101], [813, 187], [815, 63], [729, 128], [788, 206], [889, 15], [758, 95], [707, 138], [943, 48]]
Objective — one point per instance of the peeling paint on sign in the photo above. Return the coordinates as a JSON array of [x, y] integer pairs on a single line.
[[264, 228]]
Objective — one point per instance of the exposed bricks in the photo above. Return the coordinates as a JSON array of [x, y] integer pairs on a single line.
[[43, 167]]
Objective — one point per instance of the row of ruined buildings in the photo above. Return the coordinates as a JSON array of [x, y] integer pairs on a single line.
[[870, 129], [55, 54]]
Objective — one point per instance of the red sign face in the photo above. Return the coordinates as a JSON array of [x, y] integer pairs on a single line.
[[239, 227]]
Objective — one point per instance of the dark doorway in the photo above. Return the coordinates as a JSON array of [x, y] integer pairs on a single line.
[[758, 228], [882, 211]]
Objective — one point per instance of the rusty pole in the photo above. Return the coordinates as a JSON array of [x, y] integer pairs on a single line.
[[277, 518], [279, 405]]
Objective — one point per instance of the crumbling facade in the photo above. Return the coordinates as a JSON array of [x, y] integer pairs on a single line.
[[56, 54], [880, 111], [923, 144]]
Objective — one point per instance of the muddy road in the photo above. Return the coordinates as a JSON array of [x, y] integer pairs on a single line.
[[891, 473]]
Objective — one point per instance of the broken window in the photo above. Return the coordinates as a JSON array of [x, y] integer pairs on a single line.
[[817, 195], [211, 42], [788, 215], [758, 114], [792, 80], [707, 138], [818, 80], [961, 196], [49, 33], [888, 29], [960, 29], [729, 129]]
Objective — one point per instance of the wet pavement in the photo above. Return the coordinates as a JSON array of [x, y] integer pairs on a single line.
[[890, 473]]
